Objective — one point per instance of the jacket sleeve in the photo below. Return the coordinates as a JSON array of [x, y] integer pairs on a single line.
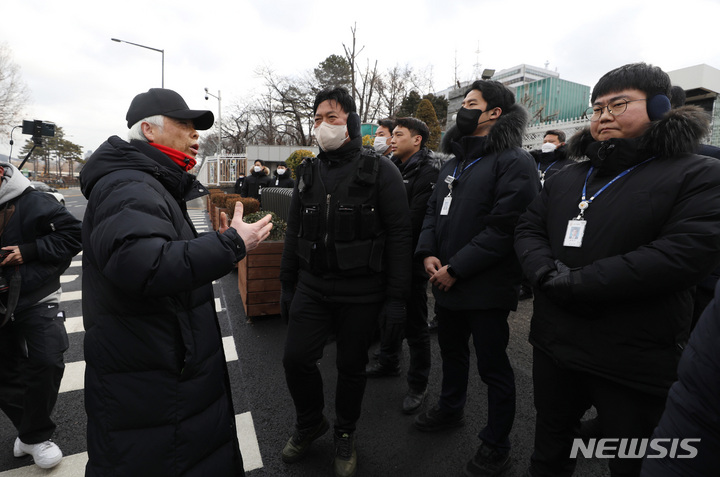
[[532, 244], [134, 243], [57, 238], [427, 246], [420, 194], [517, 184], [686, 249], [395, 218], [289, 264]]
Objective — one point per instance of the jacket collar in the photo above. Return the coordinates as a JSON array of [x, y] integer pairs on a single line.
[[678, 132], [506, 133]]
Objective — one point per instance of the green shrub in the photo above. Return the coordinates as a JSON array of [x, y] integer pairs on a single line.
[[296, 158], [279, 225]]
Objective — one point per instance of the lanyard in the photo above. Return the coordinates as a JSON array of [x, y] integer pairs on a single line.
[[455, 179], [584, 204], [542, 173]]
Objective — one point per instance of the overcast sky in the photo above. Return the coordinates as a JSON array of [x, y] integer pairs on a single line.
[[84, 82]]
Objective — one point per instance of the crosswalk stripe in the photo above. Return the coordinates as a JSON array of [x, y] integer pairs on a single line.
[[229, 348], [71, 296], [68, 278], [74, 377], [74, 324], [75, 264], [247, 438], [74, 465]]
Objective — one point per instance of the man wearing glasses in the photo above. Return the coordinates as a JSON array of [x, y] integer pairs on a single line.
[[613, 246]]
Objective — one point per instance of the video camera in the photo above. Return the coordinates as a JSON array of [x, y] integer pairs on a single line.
[[38, 129]]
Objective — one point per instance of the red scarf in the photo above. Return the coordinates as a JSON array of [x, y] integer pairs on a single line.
[[182, 160]]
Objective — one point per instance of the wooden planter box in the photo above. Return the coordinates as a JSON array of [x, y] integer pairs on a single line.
[[259, 279]]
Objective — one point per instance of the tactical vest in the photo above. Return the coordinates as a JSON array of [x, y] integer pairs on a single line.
[[340, 231]]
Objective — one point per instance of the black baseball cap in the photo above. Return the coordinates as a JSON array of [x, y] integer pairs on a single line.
[[166, 102]]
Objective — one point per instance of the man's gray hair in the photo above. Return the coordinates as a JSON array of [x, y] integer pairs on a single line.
[[136, 130]]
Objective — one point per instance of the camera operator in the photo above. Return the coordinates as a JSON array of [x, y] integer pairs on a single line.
[[38, 237]]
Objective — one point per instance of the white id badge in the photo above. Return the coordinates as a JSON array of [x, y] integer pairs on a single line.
[[574, 233], [446, 205]]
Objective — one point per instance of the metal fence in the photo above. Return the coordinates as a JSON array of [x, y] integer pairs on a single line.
[[277, 199]]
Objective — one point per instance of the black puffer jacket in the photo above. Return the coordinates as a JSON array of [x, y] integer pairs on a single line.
[[693, 407], [47, 234], [254, 183], [393, 219], [649, 238], [419, 173], [157, 393], [476, 237], [285, 181]]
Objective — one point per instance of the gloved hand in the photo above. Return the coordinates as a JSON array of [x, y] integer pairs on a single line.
[[287, 293], [557, 284]]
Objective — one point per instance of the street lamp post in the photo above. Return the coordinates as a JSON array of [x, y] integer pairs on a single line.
[[219, 123], [149, 48]]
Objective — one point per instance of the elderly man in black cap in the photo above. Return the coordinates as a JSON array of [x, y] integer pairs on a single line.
[[157, 392]]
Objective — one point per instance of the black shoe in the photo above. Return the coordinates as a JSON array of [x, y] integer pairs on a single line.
[[298, 445], [487, 462], [436, 419], [377, 370], [413, 400], [345, 464], [525, 293]]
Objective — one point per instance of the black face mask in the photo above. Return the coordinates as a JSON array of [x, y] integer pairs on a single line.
[[467, 120]]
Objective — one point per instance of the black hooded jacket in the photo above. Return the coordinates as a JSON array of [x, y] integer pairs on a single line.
[[157, 393], [649, 237], [476, 237], [392, 243], [285, 180]]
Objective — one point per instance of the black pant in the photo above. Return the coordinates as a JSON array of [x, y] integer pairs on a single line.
[[490, 333], [312, 320], [561, 398], [31, 368], [417, 334]]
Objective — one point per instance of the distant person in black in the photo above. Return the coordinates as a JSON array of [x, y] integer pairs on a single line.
[[283, 177], [239, 183], [254, 183]]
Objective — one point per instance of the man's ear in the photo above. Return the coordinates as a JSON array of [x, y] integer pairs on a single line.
[[496, 113], [147, 130]]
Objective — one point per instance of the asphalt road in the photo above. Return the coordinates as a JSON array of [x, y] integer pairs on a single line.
[[387, 443]]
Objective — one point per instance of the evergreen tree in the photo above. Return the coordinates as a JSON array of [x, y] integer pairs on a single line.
[[426, 113]]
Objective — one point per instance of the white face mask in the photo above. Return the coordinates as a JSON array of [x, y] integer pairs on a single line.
[[281, 172], [257, 168], [330, 137], [548, 147], [381, 146]]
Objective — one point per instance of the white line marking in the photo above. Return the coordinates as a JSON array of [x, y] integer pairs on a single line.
[[218, 305], [230, 350], [247, 438], [74, 324], [74, 377], [71, 295], [68, 278]]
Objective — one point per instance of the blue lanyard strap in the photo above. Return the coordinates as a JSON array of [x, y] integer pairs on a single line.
[[584, 204], [542, 173], [464, 169]]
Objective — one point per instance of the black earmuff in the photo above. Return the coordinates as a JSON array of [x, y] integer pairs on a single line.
[[353, 125], [657, 106]]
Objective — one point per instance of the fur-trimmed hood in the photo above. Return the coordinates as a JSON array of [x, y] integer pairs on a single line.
[[678, 132], [506, 133]]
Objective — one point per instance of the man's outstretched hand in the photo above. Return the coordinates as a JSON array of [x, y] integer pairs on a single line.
[[252, 234]]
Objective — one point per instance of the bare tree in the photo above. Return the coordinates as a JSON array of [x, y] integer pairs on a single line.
[[14, 94], [351, 54]]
